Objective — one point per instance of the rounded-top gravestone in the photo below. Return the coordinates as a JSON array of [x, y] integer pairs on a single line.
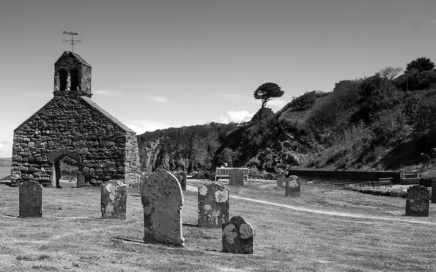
[[182, 180], [237, 236], [30, 199], [417, 203], [162, 200]]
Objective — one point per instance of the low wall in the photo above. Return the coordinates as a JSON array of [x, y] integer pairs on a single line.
[[346, 175]]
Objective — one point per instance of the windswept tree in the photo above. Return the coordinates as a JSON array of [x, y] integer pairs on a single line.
[[266, 92], [422, 64], [390, 72]]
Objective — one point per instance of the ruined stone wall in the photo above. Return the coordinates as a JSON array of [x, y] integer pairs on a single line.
[[68, 122], [132, 164]]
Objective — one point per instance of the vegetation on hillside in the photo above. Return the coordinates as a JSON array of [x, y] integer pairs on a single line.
[[379, 122]]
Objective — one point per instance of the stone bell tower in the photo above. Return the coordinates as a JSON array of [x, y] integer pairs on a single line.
[[72, 76]]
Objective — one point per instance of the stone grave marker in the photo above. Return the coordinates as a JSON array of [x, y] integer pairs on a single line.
[[292, 186], [237, 236], [281, 182], [213, 205], [30, 199], [417, 203], [162, 200], [433, 191], [182, 180], [236, 177], [113, 200]]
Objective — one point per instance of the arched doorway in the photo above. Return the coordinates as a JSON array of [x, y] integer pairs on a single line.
[[66, 165]]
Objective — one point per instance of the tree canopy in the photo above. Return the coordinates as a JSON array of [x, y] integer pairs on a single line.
[[266, 92], [421, 64]]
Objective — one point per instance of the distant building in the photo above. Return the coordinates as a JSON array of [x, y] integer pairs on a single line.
[[72, 125]]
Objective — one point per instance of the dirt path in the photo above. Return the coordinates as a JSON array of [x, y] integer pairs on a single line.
[[302, 209]]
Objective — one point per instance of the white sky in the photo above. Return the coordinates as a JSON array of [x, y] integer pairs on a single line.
[[159, 64]]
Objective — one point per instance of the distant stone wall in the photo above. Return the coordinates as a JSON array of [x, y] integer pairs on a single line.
[[346, 175], [68, 123]]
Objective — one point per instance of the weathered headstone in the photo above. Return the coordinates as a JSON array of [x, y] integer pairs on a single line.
[[182, 180], [213, 205], [30, 199], [417, 203], [237, 236], [292, 186], [113, 200], [236, 177], [281, 182], [162, 200], [433, 191], [80, 181]]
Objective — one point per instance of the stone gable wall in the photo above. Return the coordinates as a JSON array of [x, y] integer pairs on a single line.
[[66, 122]]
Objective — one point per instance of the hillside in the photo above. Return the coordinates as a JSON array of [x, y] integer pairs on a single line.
[[374, 123], [5, 162]]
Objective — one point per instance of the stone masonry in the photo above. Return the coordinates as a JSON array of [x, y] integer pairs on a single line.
[[71, 124]]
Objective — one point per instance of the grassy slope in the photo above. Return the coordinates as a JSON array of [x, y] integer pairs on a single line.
[[5, 162], [71, 235]]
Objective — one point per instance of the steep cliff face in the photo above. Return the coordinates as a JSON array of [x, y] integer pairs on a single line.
[[186, 148]]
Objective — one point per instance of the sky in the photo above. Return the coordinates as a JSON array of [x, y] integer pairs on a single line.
[[159, 63]]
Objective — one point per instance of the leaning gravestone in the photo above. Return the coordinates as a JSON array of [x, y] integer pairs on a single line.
[[417, 203], [281, 182], [236, 177], [292, 186], [162, 200], [182, 179], [113, 200], [213, 205], [30, 199], [433, 191], [237, 236]]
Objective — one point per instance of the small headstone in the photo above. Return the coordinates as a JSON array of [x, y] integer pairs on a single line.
[[292, 186], [236, 177], [433, 191], [30, 199], [182, 180], [162, 200], [80, 181], [113, 200], [213, 205], [417, 203], [281, 182], [237, 236]]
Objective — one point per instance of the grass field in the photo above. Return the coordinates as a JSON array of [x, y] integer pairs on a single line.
[[71, 236]]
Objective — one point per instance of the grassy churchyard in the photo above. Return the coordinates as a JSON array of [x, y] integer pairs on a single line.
[[326, 229]]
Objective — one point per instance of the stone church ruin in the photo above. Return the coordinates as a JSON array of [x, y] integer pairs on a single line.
[[72, 125]]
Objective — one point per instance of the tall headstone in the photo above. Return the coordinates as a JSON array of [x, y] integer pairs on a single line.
[[30, 199], [162, 200], [292, 186], [417, 203], [182, 180], [281, 182], [213, 205], [236, 177], [113, 200], [237, 236], [433, 191]]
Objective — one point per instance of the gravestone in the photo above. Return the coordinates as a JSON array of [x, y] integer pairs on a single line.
[[80, 181], [30, 199], [281, 182], [213, 205], [182, 180], [162, 200], [417, 203], [292, 186], [433, 191], [113, 200], [237, 236], [236, 177]]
